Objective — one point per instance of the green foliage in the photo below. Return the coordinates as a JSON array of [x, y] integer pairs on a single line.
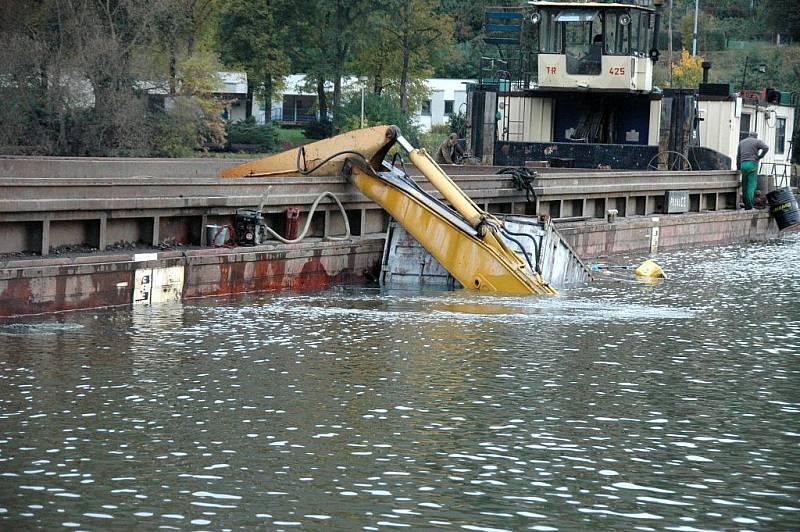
[[441, 128], [432, 140], [410, 38], [74, 73], [176, 131], [458, 124], [318, 129], [247, 131], [710, 33], [378, 109], [783, 16], [82, 71]]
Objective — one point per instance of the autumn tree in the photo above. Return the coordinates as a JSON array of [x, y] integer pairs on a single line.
[[688, 71]]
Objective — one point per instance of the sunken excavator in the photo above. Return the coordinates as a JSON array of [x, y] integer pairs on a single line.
[[481, 251]]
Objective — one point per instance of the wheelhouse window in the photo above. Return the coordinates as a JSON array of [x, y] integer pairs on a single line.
[[641, 31], [618, 33], [583, 41], [585, 35], [448, 107], [549, 33], [780, 136]]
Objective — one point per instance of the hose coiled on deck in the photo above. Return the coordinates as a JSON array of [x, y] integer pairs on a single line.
[[524, 179]]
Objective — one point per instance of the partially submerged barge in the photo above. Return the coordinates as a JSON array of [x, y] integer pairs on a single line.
[[164, 206]]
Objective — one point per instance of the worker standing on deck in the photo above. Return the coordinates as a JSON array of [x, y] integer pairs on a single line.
[[448, 150], [751, 150]]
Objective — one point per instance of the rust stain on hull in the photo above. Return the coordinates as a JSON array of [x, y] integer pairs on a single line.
[[23, 296], [69, 287]]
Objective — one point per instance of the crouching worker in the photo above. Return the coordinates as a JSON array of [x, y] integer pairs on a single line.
[[751, 150], [449, 150]]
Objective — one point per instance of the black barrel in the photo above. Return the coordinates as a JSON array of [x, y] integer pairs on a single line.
[[783, 206]]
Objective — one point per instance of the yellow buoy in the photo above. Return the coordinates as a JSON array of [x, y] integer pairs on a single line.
[[649, 269]]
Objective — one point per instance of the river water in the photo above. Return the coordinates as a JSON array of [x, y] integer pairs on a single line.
[[618, 406]]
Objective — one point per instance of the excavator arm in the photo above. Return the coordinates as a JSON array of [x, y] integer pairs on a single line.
[[324, 157], [468, 242]]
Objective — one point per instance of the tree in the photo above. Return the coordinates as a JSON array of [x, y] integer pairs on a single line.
[[311, 51], [418, 32], [688, 71], [178, 25], [783, 17], [468, 46], [341, 27], [251, 36]]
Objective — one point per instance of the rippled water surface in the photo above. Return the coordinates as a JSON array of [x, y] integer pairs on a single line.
[[618, 406]]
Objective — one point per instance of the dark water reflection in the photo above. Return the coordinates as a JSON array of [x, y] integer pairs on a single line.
[[620, 406]]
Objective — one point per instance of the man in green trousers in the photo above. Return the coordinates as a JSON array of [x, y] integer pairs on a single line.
[[751, 150]]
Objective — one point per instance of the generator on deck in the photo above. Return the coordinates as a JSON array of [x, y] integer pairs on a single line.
[[249, 227]]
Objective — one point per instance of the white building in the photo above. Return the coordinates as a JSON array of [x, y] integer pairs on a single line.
[[447, 97], [727, 120], [296, 102]]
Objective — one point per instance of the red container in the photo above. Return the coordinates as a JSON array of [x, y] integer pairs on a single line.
[[292, 223]]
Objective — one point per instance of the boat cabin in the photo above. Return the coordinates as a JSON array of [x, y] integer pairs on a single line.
[[595, 45]]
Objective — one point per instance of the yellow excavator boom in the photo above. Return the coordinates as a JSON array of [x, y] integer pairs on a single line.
[[467, 241], [324, 157]]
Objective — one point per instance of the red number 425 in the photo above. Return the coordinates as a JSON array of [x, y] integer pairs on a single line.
[[617, 71]]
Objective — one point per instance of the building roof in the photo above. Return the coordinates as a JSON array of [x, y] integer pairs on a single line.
[[233, 82], [447, 85], [297, 84]]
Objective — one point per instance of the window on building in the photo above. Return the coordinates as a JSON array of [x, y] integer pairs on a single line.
[[448, 107], [426, 108], [744, 126], [780, 136]]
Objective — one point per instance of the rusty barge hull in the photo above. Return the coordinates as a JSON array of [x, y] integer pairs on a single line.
[[597, 238], [74, 283], [49, 285]]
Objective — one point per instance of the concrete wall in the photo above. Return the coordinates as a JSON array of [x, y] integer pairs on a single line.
[[599, 239], [49, 285], [52, 285]]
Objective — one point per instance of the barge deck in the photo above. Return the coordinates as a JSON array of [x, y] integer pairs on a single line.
[[163, 207]]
